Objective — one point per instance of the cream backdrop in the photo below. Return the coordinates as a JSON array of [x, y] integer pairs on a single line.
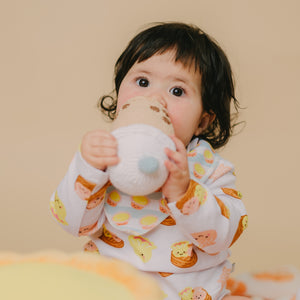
[[57, 58]]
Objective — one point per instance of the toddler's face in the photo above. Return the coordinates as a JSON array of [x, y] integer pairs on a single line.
[[176, 87]]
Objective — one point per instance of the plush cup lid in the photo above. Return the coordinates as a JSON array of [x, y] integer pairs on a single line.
[[142, 110]]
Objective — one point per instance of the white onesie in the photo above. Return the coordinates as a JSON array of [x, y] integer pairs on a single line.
[[184, 245]]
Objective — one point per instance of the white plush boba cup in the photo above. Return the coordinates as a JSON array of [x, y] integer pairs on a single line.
[[142, 129]]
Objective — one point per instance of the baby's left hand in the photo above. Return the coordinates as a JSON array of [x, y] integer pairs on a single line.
[[178, 180]]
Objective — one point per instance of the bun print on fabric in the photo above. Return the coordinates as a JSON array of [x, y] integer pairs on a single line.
[[142, 129], [183, 255]]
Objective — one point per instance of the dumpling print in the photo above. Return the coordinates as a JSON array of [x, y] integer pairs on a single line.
[[83, 188], [241, 227], [200, 293], [195, 196], [197, 293], [91, 247], [111, 239], [190, 206], [224, 209], [165, 274], [88, 229], [224, 277], [168, 221], [219, 172], [232, 193], [183, 255], [205, 238], [96, 198]]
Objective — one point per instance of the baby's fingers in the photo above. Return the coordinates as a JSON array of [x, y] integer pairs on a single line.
[[178, 158], [99, 148], [103, 151], [100, 138], [172, 167], [174, 156], [178, 144]]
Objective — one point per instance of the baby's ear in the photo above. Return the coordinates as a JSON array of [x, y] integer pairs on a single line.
[[205, 120]]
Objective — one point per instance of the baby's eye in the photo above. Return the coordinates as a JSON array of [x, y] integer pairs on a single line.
[[143, 82], [176, 91]]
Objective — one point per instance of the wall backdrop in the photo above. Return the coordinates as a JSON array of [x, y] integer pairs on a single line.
[[56, 60]]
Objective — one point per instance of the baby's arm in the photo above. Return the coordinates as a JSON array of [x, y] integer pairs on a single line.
[[211, 212], [78, 202]]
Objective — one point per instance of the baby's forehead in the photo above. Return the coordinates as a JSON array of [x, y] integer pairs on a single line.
[[187, 60], [187, 64]]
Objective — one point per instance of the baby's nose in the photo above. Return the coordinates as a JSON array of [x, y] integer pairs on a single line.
[[160, 99]]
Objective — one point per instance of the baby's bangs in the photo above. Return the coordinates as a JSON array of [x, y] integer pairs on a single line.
[[188, 56], [186, 41]]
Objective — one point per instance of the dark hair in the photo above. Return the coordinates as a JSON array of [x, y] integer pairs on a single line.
[[192, 46]]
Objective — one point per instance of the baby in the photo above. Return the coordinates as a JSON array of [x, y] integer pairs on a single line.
[[181, 233]]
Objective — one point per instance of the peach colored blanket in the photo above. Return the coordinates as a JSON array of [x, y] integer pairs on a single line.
[[282, 283]]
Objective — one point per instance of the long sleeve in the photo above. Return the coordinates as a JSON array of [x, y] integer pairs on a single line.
[[211, 214], [77, 204]]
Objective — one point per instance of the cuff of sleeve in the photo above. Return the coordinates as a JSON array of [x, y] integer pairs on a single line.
[[177, 208], [89, 172]]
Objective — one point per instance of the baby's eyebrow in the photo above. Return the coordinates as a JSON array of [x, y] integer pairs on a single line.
[[141, 70], [180, 79], [184, 81]]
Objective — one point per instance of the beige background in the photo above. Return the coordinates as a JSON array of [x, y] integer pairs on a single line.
[[57, 58]]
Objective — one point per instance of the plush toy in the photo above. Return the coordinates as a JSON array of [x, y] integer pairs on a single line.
[[142, 129], [56, 275]]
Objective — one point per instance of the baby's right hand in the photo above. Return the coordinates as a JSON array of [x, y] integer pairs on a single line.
[[99, 149]]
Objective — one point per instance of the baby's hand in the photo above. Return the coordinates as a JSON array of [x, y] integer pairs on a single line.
[[178, 181], [99, 149]]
